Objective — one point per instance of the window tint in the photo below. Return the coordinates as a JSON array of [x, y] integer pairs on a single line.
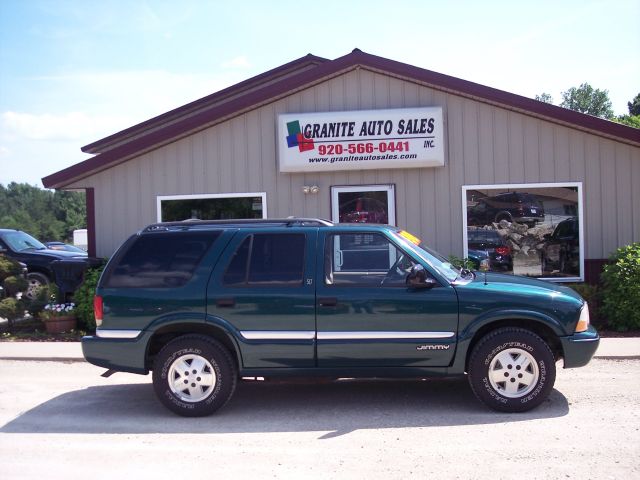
[[365, 259], [161, 260], [273, 259], [237, 270]]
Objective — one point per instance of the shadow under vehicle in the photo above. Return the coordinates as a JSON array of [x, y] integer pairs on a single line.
[[512, 207], [561, 251]]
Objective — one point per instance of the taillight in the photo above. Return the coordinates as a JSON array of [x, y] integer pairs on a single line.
[[97, 309], [503, 250]]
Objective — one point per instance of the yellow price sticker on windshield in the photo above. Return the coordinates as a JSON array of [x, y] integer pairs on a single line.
[[412, 238]]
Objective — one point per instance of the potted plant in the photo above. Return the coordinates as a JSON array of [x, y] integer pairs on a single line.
[[59, 317]]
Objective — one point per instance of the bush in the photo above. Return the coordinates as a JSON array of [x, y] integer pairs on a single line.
[[14, 284], [593, 295], [9, 308], [621, 288], [83, 298], [461, 262], [9, 268]]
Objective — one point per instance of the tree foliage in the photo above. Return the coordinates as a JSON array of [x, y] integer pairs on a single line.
[[45, 214], [589, 100], [634, 106], [545, 98], [629, 120]]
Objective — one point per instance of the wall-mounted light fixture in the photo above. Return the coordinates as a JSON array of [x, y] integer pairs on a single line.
[[310, 189]]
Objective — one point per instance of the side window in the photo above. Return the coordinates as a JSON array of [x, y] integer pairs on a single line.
[[365, 259], [161, 260], [267, 259]]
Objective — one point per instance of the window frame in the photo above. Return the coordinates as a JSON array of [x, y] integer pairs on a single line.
[[205, 196], [329, 244], [390, 188], [246, 283]]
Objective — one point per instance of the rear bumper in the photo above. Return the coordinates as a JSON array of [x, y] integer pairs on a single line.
[[579, 348], [124, 355]]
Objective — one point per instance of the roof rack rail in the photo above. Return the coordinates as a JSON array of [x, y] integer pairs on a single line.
[[194, 224]]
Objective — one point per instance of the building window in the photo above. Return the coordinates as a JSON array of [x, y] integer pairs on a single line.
[[529, 229], [176, 208], [363, 204]]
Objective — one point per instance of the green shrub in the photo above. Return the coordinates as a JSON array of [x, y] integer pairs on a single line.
[[83, 298], [9, 268], [621, 288], [9, 308], [461, 262], [593, 295], [14, 284]]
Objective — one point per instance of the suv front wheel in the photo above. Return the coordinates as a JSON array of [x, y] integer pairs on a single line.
[[194, 375], [512, 370]]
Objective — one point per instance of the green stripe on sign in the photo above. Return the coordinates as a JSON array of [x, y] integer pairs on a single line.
[[293, 127]]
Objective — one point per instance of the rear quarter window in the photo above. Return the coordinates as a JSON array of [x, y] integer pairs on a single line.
[[161, 260]]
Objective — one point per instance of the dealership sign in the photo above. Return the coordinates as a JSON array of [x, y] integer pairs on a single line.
[[358, 140]]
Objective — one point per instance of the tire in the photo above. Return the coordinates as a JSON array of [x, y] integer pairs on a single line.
[[35, 280], [207, 368], [512, 370]]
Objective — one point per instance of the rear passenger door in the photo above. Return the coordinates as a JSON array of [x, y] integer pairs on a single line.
[[263, 287]]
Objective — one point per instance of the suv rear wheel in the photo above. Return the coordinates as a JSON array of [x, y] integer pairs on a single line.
[[194, 375], [512, 370]]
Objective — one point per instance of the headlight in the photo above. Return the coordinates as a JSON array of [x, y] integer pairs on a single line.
[[583, 321]]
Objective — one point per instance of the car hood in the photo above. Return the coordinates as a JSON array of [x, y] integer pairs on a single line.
[[59, 254], [519, 285]]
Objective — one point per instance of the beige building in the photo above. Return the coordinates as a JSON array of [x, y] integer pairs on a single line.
[[364, 138]]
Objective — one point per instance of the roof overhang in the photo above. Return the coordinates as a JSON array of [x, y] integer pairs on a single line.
[[302, 74]]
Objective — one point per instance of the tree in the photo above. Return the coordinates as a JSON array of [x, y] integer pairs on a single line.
[[634, 106], [586, 99], [545, 98], [42, 213]]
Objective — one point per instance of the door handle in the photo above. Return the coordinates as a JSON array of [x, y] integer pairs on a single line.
[[226, 302], [328, 302]]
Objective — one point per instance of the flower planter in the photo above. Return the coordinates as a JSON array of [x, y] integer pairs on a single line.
[[60, 324]]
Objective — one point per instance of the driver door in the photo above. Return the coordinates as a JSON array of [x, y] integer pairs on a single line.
[[368, 317]]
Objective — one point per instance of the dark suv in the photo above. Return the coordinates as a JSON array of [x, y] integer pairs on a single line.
[[203, 304], [561, 250], [512, 207], [39, 259]]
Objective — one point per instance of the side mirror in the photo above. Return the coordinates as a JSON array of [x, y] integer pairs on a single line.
[[546, 236], [418, 278]]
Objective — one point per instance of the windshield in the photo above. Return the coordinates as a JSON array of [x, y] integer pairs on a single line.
[[20, 241], [433, 258]]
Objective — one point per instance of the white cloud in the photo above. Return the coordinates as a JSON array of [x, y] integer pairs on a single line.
[[237, 63], [54, 127]]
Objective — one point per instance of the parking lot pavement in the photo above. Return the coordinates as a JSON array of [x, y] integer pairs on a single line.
[[61, 420]]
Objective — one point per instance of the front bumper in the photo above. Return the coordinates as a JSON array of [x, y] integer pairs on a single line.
[[579, 348], [123, 355]]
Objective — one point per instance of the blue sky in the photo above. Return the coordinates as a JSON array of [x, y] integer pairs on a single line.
[[72, 72]]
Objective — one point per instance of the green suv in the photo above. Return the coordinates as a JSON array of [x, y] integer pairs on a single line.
[[203, 304]]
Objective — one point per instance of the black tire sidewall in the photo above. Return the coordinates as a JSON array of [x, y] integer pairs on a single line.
[[221, 363], [490, 346]]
